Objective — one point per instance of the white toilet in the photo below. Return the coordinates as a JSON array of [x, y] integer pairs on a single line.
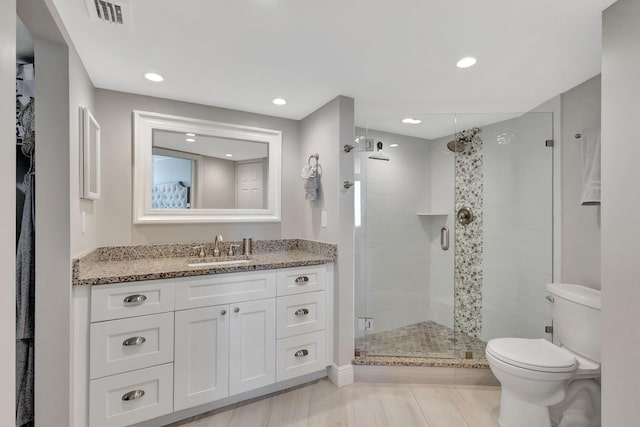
[[536, 375]]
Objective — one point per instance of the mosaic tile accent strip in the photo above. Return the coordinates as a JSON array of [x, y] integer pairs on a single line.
[[468, 272], [422, 340]]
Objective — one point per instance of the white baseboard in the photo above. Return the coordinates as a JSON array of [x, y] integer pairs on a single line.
[[341, 376]]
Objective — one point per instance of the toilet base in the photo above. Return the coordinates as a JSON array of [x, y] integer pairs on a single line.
[[515, 412]]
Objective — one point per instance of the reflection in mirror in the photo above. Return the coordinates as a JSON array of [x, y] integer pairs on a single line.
[[191, 170], [195, 171]]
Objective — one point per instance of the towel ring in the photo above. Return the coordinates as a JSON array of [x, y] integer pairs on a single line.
[[313, 156]]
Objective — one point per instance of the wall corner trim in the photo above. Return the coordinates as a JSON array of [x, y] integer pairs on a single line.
[[341, 376]]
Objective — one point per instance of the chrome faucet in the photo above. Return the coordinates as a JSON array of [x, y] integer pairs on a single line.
[[216, 242]]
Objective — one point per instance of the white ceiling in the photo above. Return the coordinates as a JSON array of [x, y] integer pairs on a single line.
[[396, 58]]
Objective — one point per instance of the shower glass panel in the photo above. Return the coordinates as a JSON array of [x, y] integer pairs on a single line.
[[504, 255], [404, 198], [454, 232]]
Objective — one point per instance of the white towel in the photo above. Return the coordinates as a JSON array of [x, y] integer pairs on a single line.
[[590, 167], [311, 176]]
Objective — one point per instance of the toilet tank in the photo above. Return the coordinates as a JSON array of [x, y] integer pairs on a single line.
[[576, 318]]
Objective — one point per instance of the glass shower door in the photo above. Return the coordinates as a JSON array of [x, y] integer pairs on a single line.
[[404, 277], [504, 228]]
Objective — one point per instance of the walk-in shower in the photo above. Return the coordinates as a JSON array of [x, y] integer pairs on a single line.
[[453, 235]]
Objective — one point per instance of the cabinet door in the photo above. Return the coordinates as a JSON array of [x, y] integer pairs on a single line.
[[201, 356], [252, 345]]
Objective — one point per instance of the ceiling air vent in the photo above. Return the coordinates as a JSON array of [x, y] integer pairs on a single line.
[[113, 12]]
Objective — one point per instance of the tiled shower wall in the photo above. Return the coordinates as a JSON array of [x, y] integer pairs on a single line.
[[510, 250], [392, 271], [518, 220]]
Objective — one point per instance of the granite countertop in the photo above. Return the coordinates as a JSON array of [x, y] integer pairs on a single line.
[[149, 262]]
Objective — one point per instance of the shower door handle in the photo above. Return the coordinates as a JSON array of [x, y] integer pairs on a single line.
[[444, 238]]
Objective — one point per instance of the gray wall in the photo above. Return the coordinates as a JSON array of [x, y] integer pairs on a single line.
[[7, 216], [81, 94], [325, 132], [580, 224], [620, 205], [52, 220], [114, 217]]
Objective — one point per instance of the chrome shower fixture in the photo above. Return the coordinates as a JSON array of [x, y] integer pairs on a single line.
[[456, 146], [379, 155], [463, 139]]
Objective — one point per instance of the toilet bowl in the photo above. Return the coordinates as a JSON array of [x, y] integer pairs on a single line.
[[535, 374]]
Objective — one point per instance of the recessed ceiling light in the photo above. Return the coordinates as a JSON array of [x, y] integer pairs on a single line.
[[466, 62], [190, 140], [154, 77], [279, 101], [393, 145], [411, 121], [190, 134], [229, 155]]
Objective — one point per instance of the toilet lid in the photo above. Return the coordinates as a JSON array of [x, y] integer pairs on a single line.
[[534, 354]]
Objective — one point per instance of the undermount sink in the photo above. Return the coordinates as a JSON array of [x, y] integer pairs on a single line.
[[218, 261]]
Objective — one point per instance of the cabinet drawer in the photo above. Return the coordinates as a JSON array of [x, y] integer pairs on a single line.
[[128, 300], [298, 280], [124, 345], [301, 314], [205, 291], [113, 400], [300, 355]]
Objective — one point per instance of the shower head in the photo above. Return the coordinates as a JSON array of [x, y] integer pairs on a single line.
[[379, 155], [456, 146]]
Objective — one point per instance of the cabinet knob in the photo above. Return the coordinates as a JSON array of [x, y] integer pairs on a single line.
[[133, 395], [236, 310], [302, 353], [302, 279], [301, 312], [135, 299], [133, 341], [223, 312]]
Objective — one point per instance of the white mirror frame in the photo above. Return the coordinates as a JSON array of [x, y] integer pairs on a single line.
[[144, 124], [87, 121]]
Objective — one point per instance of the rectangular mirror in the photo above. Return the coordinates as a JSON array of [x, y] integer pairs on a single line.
[[90, 134], [191, 170]]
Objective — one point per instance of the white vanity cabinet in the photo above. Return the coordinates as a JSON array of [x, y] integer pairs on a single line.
[[131, 353], [191, 341], [201, 356]]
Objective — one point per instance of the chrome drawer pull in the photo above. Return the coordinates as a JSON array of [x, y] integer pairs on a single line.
[[133, 395], [133, 341], [302, 279], [302, 353], [135, 299], [301, 312], [223, 312]]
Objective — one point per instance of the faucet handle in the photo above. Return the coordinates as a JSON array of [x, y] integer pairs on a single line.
[[232, 249], [201, 254], [216, 249]]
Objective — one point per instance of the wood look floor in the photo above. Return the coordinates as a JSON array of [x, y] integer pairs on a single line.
[[321, 404]]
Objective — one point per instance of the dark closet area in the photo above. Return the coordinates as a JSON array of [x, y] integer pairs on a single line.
[[25, 226]]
